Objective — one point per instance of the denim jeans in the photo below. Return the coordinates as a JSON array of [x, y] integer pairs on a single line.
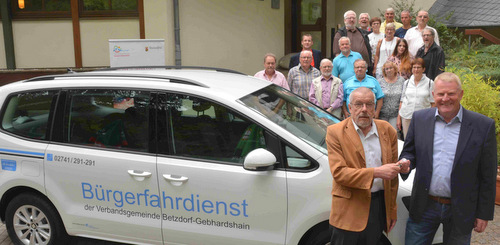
[[420, 233]]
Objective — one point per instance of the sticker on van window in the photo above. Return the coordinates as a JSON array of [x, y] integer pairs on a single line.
[[9, 165]]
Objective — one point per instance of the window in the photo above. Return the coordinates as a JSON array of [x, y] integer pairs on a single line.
[[104, 8], [295, 160], [108, 118], [204, 129], [35, 9], [42, 9], [27, 114], [301, 118]]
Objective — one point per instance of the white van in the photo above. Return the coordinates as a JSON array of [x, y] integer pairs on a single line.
[[165, 156]]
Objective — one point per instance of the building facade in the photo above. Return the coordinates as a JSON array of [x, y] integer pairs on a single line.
[[220, 33]]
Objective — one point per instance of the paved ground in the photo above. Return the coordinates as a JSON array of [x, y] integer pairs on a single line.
[[490, 237]]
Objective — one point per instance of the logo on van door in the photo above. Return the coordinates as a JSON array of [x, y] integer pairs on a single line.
[[192, 203]]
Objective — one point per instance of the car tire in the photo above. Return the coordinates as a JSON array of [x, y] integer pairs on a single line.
[[319, 237], [31, 219]]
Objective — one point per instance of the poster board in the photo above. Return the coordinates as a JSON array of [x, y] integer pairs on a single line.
[[136, 52]]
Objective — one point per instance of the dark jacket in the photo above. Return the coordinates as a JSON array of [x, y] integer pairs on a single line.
[[434, 60], [473, 175]]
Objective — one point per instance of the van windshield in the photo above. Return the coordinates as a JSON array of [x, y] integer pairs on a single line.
[[298, 116]]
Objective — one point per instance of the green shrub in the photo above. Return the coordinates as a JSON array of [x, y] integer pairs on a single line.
[[483, 60], [480, 95]]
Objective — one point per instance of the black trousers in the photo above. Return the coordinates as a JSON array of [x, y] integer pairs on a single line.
[[373, 231]]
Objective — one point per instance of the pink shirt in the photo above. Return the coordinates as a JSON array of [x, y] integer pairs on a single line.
[[278, 78]]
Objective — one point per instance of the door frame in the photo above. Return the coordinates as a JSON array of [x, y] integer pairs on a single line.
[[293, 28]]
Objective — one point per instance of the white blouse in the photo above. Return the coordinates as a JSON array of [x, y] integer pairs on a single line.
[[416, 97]]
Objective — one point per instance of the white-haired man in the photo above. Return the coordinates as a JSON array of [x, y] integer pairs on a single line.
[[343, 64], [361, 79], [414, 35], [432, 54], [364, 22], [327, 91], [359, 39], [362, 152]]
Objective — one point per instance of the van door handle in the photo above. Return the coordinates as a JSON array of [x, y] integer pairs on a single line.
[[139, 175], [176, 180]]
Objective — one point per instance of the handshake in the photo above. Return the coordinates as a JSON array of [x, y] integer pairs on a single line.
[[391, 170]]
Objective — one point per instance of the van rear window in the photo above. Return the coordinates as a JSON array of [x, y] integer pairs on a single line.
[[27, 114]]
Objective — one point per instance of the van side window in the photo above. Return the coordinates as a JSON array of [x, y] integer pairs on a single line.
[[204, 129], [296, 160], [27, 114], [108, 118]]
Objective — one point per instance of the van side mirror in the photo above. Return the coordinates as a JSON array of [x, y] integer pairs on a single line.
[[259, 159]]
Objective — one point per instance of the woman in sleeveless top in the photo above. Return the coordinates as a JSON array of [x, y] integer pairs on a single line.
[[385, 48], [375, 36]]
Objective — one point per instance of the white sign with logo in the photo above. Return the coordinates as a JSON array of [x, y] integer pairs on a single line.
[[136, 52]]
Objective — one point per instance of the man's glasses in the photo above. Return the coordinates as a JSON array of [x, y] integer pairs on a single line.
[[360, 105]]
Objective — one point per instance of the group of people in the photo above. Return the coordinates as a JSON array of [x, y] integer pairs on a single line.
[[394, 72]]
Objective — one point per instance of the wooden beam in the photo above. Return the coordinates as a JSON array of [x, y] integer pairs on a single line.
[[142, 27], [8, 36], [484, 34], [77, 42], [288, 26]]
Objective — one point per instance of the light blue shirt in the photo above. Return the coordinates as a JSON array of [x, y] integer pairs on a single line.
[[343, 67], [445, 147], [369, 82]]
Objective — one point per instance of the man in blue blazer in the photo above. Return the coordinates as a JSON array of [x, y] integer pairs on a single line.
[[454, 153], [306, 45]]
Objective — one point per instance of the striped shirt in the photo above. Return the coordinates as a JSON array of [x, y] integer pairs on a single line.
[[300, 81]]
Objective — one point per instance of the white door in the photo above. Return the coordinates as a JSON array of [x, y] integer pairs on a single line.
[[101, 177], [208, 197]]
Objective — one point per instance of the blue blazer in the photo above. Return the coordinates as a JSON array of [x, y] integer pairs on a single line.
[[473, 176], [294, 60]]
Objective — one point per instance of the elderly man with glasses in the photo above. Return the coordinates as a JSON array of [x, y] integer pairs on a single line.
[[300, 77], [361, 79], [414, 34]]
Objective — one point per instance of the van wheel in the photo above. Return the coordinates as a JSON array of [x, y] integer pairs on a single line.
[[30, 219]]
